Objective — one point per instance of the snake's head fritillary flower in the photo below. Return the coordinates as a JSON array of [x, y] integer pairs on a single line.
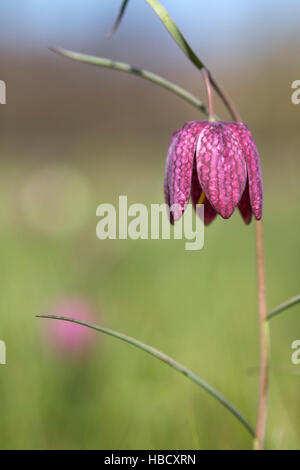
[[217, 164], [70, 339]]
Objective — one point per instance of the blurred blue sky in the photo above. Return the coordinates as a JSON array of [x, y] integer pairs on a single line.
[[234, 27]]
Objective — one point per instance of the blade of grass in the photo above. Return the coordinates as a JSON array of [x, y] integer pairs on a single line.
[[123, 67], [289, 303], [175, 32], [188, 51], [167, 360], [119, 19]]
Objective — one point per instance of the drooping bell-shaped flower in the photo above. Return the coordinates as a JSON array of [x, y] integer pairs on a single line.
[[217, 164]]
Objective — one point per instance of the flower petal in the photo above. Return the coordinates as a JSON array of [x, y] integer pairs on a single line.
[[196, 191], [253, 167], [221, 167], [181, 165], [245, 206], [168, 170]]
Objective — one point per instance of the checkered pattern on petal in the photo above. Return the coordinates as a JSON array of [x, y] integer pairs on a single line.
[[221, 167]]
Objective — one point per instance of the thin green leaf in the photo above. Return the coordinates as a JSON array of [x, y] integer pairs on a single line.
[[188, 51], [167, 360], [123, 67], [170, 26], [175, 32], [186, 48], [289, 303], [119, 19]]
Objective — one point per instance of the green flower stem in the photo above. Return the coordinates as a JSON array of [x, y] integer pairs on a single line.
[[289, 303], [264, 342], [123, 67], [167, 360]]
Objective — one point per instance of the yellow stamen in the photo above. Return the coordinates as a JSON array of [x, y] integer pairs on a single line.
[[201, 198]]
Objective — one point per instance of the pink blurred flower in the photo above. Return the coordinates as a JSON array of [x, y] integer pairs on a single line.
[[71, 339], [217, 164]]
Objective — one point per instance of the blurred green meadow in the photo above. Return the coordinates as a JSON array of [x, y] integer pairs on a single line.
[[74, 137]]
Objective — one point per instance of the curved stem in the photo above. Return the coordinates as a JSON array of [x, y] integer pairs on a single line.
[[209, 94], [123, 67], [289, 303], [226, 99], [264, 342], [167, 360]]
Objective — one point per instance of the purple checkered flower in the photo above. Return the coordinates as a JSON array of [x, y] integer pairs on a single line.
[[217, 164]]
